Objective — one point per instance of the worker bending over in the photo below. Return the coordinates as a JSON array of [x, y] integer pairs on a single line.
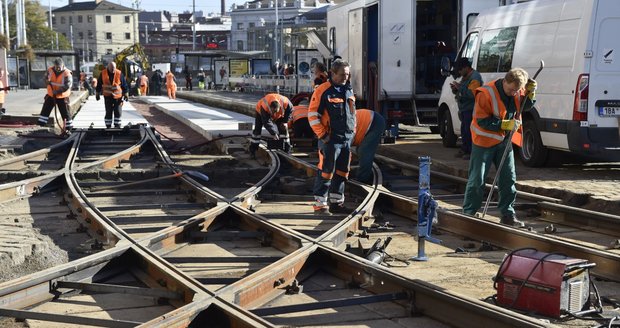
[[332, 117], [273, 112], [368, 130], [113, 86], [299, 122], [495, 115]]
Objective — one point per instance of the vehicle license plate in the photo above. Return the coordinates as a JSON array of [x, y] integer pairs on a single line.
[[609, 111]]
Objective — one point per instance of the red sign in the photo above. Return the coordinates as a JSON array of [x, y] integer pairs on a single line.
[[211, 45]]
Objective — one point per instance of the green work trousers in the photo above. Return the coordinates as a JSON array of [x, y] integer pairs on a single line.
[[479, 165]]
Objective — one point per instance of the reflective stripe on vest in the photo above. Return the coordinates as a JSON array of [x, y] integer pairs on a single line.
[[300, 112], [493, 100], [56, 82], [114, 89]]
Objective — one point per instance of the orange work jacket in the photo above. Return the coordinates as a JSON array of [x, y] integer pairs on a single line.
[[489, 103]]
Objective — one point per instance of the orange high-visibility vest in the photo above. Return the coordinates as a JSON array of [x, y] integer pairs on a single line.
[[489, 103], [263, 104], [170, 80], [364, 119], [56, 82], [299, 112], [113, 89]]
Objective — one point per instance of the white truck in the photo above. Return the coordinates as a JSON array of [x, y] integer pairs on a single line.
[[395, 49], [578, 98]]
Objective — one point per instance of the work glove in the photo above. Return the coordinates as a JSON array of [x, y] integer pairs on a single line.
[[530, 87], [253, 148], [125, 97], [510, 125], [97, 97], [287, 147]]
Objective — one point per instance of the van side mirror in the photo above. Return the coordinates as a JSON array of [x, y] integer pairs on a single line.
[[446, 66]]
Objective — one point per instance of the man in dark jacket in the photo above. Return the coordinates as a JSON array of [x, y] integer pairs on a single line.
[[332, 117]]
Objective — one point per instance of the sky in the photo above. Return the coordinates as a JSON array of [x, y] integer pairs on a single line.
[[179, 6], [206, 6]]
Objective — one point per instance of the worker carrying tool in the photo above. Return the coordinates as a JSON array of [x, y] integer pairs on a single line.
[[273, 112], [496, 114], [59, 81], [332, 117], [114, 88], [368, 130]]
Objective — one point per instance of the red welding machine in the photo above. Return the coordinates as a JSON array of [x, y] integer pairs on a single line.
[[543, 283]]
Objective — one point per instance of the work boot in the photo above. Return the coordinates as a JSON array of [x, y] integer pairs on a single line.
[[339, 208], [512, 220], [321, 211], [117, 126]]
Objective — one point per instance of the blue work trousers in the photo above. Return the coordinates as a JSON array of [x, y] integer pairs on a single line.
[[334, 164], [466, 117], [479, 165]]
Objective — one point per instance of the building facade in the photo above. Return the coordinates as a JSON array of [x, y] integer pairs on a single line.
[[97, 28], [254, 26]]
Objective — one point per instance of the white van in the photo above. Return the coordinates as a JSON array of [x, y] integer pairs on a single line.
[[88, 68], [578, 96]]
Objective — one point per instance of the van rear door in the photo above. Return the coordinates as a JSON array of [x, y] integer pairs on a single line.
[[604, 93]]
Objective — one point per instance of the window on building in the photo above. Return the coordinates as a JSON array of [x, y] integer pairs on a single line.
[[240, 45], [108, 19], [108, 36], [80, 19], [70, 20], [127, 19], [63, 20], [127, 36], [81, 35], [240, 26], [90, 34], [251, 25], [89, 18], [108, 51], [53, 20]]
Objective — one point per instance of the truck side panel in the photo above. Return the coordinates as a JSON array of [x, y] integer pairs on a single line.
[[397, 25]]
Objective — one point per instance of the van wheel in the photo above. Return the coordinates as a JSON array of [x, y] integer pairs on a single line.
[[532, 152], [448, 138]]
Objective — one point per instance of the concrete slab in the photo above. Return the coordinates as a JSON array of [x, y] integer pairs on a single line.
[[210, 121], [92, 114]]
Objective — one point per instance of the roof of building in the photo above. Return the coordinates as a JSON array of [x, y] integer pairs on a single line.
[[93, 5]]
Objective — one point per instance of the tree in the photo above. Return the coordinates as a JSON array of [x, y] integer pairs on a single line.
[[39, 35]]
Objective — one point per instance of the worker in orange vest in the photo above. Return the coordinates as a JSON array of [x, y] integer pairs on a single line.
[[114, 88], [497, 103], [299, 122], [144, 84], [59, 81], [272, 112], [171, 85], [368, 130]]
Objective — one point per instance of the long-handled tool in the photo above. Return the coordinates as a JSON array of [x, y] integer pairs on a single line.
[[509, 146], [175, 175]]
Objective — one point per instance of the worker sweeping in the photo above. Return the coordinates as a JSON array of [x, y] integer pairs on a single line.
[[59, 80], [273, 112], [497, 104]]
